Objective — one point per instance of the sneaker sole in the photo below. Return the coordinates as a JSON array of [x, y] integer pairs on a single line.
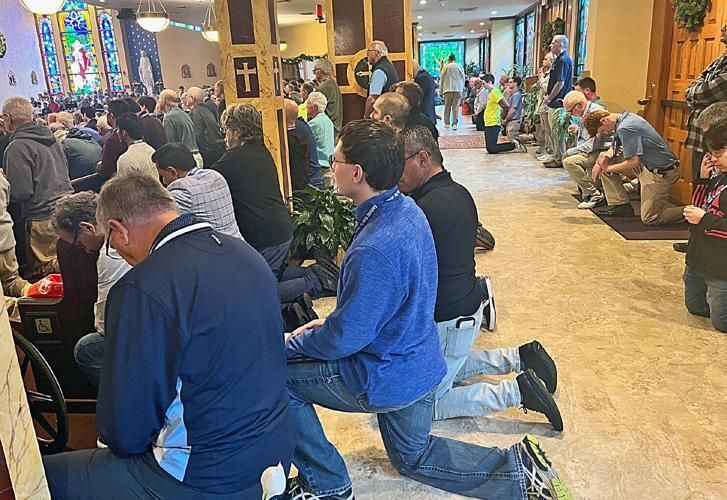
[[490, 305]]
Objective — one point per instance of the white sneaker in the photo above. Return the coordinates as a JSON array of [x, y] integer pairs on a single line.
[[591, 201], [546, 158], [446, 126]]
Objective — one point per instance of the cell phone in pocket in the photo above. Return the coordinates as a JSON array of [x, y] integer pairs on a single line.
[[465, 323]]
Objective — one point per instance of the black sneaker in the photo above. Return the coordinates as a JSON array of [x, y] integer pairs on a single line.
[[625, 210], [541, 480], [489, 316], [296, 491], [680, 247], [534, 396], [534, 356], [306, 303]]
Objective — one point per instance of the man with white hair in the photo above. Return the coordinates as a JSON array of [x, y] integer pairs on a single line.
[[177, 124], [323, 132], [579, 161], [323, 70], [36, 167], [560, 83], [383, 73], [206, 131]]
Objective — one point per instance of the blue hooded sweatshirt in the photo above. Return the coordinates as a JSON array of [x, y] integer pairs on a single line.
[[383, 329]]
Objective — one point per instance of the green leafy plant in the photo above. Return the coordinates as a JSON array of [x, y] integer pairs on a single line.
[[470, 68], [690, 14], [322, 222], [559, 127], [550, 29], [530, 104]]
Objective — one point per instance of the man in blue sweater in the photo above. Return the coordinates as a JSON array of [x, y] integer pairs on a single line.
[[192, 402], [378, 351]]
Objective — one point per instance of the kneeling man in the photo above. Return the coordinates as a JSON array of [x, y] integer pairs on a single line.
[[192, 402]]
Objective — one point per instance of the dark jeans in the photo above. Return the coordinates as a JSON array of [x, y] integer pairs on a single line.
[[93, 474], [697, 158], [706, 297], [88, 353], [492, 135], [450, 465], [292, 282]]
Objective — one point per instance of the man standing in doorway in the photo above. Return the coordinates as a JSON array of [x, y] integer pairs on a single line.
[[383, 73], [426, 83], [559, 84], [323, 70], [709, 88], [451, 85]]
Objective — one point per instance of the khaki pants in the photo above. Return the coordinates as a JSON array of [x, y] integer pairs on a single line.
[[579, 168], [451, 106], [547, 137], [13, 284], [655, 191], [40, 247], [558, 146], [513, 129]]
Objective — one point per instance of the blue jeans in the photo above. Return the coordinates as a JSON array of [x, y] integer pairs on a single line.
[[456, 338], [292, 282], [450, 465], [706, 297], [89, 355]]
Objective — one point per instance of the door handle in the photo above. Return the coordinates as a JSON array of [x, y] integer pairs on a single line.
[[644, 102]]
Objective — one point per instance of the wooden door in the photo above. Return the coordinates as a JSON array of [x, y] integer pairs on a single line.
[[687, 55]]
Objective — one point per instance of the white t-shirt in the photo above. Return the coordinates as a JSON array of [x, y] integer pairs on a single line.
[[110, 269], [137, 158]]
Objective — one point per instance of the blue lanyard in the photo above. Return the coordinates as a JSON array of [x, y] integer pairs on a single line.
[[366, 218]]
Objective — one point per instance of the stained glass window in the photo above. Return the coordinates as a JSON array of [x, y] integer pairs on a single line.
[[433, 55], [520, 41], [76, 36], [110, 50], [50, 55], [582, 36], [530, 42]]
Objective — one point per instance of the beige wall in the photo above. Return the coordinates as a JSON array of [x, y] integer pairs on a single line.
[[178, 46], [23, 52], [308, 38], [503, 46], [619, 39]]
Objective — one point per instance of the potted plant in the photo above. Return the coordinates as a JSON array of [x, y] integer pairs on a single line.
[[323, 224]]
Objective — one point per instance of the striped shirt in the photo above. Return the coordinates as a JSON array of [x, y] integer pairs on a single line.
[[206, 195]]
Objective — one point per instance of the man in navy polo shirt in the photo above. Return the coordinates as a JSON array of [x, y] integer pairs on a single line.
[[559, 84]]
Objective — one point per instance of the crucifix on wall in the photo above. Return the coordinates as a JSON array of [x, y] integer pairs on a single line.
[[276, 76], [246, 77]]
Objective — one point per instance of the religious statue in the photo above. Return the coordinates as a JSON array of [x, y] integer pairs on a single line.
[[146, 74], [33, 78], [186, 72], [11, 79], [211, 71]]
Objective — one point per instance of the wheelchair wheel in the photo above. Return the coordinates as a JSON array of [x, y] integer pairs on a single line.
[[45, 397]]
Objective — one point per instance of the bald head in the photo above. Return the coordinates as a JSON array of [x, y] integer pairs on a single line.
[[575, 102], [291, 113], [168, 99]]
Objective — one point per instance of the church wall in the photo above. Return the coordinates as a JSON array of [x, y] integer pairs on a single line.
[[308, 38], [23, 52], [618, 52], [179, 46], [503, 46], [472, 50]]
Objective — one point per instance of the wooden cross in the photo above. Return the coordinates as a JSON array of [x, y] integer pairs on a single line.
[[246, 72]]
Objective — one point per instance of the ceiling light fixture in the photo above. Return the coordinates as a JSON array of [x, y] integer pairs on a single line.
[[422, 2], [42, 7], [420, 17], [482, 23], [472, 31], [283, 45], [419, 28], [152, 19], [494, 12], [209, 25]]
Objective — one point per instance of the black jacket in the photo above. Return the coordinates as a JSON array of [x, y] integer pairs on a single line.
[[452, 217], [261, 213], [707, 250], [82, 153], [207, 133], [392, 76], [416, 117]]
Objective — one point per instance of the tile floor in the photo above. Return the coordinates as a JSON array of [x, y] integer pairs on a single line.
[[642, 383]]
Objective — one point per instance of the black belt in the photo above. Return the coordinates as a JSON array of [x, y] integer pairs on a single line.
[[662, 170]]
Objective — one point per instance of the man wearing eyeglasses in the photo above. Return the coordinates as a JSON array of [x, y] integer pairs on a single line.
[[74, 221], [383, 73], [579, 160], [709, 88]]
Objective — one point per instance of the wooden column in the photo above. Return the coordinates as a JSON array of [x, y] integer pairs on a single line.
[[351, 25], [252, 69]]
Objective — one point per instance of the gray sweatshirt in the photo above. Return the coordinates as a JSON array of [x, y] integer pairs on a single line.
[[36, 167], [7, 240]]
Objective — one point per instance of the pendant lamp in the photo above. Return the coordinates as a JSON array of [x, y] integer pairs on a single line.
[[153, 18], [42, 7], [209, 25]]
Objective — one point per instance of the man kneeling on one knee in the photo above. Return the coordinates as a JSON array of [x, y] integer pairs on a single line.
[[638, 151]]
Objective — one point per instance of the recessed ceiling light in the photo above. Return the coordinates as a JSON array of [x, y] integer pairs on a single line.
[[494, 12], [419, 28], [472, 31], [482, 24], [422, 2], [420, 17]]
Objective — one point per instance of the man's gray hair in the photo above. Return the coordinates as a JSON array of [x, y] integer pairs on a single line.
[[318, 100], [418, 138], [326, 66], [19, 109], [715, 114], [380, 47], [246, 119], [133, 198], [562, 39], [73, 209]]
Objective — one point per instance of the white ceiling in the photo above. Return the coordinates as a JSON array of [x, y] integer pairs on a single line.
[[440, 18]]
